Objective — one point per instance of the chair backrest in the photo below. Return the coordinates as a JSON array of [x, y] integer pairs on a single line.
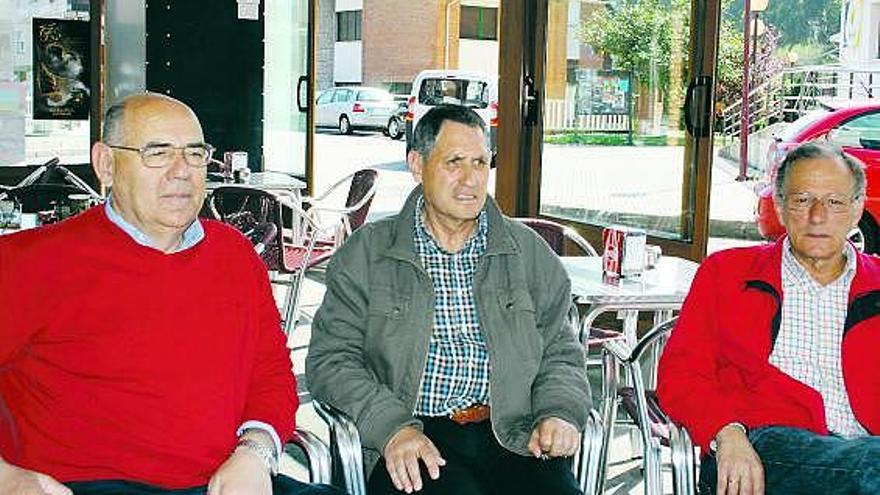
[[360, 196], [555, 234], [251, 211]]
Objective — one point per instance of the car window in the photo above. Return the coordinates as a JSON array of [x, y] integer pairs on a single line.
[[468, 92], [341, 95], [860, 132], [325, 97], [374, 95]]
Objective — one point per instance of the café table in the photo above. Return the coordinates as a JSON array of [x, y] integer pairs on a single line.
[[661, 289], [277, 182]]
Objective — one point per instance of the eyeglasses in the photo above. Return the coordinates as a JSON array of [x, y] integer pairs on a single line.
[[802, 202], [162, 155]]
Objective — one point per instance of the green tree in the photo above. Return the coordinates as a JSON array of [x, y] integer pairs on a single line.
[[798, 22]]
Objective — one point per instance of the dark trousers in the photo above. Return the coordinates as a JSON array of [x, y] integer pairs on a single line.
[[477, 465], [281, 485], [797, 461]]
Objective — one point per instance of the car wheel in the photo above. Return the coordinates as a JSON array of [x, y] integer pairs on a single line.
[[395, 130], [344, 125], [864, 237]]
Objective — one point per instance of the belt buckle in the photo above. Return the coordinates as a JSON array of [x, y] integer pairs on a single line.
[[476, 413]]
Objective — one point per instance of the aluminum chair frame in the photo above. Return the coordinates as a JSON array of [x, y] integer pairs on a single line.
[[318, 455], [346, 212], [345, 445], [618, 354], [611, 373]]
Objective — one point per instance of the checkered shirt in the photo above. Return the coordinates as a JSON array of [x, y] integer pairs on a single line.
[[809, 341], [456, 373]]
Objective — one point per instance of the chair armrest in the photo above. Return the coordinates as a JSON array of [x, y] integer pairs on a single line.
[[317, 453], [592, 453], [345, 442]]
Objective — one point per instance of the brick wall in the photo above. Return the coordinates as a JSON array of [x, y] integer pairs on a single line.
[[400, 39]]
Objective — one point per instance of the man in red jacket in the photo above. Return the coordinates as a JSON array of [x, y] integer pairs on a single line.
[[141, 350], [773, 364]]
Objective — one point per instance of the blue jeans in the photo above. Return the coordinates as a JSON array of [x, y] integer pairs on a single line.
[[800, 461], [281, 485]]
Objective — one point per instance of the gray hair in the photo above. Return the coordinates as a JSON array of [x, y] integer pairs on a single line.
[[425, 134], [819, 150], [112, 128]]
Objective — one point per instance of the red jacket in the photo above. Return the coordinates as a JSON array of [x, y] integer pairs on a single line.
[[715, 368]]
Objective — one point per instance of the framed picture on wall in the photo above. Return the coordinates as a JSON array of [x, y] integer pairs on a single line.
[[61, 69]]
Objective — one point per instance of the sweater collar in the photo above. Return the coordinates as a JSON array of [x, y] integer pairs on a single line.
[[191, 236]]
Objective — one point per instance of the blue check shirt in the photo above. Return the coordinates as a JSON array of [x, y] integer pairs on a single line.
[[456, 373]]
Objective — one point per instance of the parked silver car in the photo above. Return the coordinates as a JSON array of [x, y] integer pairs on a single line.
[[355, 107]]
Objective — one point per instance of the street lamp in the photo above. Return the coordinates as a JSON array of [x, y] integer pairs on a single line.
[[748, 7]]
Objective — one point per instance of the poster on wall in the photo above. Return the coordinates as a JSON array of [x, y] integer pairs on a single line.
[[603, 92], [61, 69]]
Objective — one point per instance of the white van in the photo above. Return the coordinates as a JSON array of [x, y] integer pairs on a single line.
[[477, 90]]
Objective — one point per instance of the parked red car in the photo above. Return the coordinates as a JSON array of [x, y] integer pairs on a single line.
[[856, 129]]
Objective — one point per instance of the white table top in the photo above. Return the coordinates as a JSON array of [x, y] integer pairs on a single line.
[[668, 282]]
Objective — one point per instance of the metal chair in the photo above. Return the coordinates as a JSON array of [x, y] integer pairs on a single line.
[[317, 454], [640, 403], [290, 251], [362, 189], [345, 447], [555, 234]]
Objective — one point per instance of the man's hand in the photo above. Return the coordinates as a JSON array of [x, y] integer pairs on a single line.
[[554, 437], [740, 471], [244, 473], [17, 481], [402, 454]]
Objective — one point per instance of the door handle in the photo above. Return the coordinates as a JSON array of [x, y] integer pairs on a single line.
[[531, 101], [698, 107], [301, 84]]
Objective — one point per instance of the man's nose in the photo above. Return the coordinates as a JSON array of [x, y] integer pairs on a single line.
[[179, 168], [818, 211]]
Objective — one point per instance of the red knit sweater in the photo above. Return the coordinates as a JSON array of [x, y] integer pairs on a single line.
[[120, 362]]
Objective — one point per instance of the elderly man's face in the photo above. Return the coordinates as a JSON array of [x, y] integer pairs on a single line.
[[818, 233], [158, 200], [456, 174]]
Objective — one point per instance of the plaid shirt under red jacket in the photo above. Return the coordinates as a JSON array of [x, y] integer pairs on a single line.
[[715, 368]]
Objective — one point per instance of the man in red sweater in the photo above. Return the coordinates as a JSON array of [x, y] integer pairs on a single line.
[[773, 364], [141, 350]]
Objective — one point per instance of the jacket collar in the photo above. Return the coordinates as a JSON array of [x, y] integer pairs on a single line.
[[498, 241], [768, 262]]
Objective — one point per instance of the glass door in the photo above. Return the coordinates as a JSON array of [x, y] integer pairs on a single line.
[[625, 118], [287, 142]]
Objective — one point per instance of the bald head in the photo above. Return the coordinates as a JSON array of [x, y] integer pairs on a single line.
[[117, 117]]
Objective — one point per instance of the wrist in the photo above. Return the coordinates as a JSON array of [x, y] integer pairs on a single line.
[[728, 431], [263, 451]]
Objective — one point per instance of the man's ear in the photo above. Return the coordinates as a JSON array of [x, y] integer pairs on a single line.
[[102, 163], [415, 163]]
